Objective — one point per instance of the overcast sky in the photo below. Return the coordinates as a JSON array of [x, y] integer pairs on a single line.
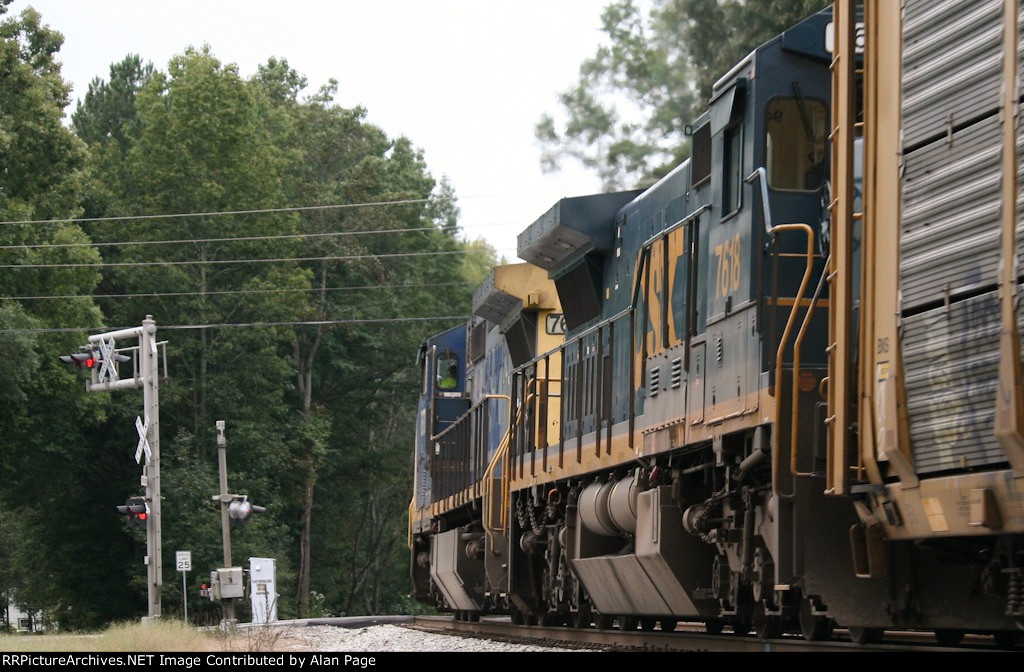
[[465, 80]]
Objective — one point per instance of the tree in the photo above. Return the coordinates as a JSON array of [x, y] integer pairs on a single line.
[[625, 117], [718, 33], [295, 325], [51, 451], [199, 142], [108, 112], [385, 219]]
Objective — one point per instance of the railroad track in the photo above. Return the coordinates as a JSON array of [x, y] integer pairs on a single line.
[[688, 638]]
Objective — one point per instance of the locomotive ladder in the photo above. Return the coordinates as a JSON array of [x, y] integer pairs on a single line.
[[840, 382]]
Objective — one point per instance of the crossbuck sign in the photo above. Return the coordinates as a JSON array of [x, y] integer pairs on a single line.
[[143, 429], [107, 368]]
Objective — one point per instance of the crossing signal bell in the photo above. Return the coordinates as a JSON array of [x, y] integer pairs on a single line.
[[136, 510], [240, 510]]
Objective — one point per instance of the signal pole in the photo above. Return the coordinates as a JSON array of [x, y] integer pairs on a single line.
[[234, 509], [147, 377]]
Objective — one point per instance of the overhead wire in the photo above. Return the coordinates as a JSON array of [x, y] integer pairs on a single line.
[[277, 290], [216, 213], [181, 241], [129, 218], [229, 325], [354, 257]]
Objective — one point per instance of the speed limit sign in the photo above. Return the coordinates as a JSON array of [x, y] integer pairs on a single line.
[[183, 561]]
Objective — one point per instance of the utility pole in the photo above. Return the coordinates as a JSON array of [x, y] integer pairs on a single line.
[[225, 502], [228, 582]]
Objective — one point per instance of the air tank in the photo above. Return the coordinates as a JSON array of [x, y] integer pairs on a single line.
[[609, 508]]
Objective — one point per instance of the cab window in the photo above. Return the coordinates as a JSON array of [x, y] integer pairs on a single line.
[[796, 144], [447, 370]]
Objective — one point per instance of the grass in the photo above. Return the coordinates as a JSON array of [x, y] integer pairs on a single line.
[[164, 636]]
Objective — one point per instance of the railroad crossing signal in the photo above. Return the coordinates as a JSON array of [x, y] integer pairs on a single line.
[[102, 363], [136, 511], [86, 358]]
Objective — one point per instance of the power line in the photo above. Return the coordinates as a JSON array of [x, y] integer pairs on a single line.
[[233, 325], [180, 215], [279, 290], [283, 236], [356, 257]]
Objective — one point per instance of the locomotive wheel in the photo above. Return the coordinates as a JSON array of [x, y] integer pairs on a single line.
[[472, 616], [767, 626], [740, 627], [860, 635], [669, 624], [603, 621], [814, 628], [628, 623], [948, 637], [647, 624], [714, 626], [1008, 638], [516, 616], [552, 619]]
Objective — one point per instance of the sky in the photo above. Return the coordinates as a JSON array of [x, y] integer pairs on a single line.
[[465, 80]]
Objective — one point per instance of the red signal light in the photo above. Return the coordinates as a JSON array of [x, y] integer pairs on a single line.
[[80, 359], [141, 516]]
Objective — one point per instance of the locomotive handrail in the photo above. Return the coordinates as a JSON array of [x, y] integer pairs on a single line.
[[500, 454], [796, 369], [761, 175], [682, 222], [782, 347], [475, 406]]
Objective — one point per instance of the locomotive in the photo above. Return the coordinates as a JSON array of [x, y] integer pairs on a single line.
[[779, 390]]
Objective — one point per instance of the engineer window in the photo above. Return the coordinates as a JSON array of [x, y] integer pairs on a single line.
[[796, 144], [447, 370]]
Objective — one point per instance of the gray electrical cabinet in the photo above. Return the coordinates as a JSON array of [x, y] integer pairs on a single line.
[[229, 583]]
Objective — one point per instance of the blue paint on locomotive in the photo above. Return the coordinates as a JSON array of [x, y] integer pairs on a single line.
[[770, 111], [441, 399]]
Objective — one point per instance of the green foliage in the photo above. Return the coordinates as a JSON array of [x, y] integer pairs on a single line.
[[108, 112], [719, 33], [296, 327]]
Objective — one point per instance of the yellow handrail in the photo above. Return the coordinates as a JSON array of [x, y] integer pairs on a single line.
[[796, 375], [500, 454], [782, 346]]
